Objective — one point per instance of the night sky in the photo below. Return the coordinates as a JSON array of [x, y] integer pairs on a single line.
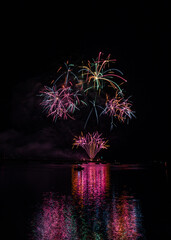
[[44, 35]]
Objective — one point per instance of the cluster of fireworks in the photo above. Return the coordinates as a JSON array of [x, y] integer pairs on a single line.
[[90, 83], [95, 86]]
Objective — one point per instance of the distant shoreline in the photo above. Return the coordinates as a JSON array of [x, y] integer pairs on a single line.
[[82, 161]]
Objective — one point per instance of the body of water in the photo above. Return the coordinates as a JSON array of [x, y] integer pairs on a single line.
[[100, 202]]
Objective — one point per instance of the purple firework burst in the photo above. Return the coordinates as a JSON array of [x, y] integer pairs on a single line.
[[61, 102]]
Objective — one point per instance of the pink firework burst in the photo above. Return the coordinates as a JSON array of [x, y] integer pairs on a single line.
[[60, 103], [120, 108], [92, 143]]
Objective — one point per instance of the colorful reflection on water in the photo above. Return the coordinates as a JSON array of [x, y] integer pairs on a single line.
[[91, 184], [125, 218], [55, 219], [93, 211]]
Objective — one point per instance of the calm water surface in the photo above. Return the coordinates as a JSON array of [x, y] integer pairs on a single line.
[[105, 202]]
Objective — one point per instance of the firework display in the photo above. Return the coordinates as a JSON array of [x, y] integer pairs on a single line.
[[96, 85], [92, 143]]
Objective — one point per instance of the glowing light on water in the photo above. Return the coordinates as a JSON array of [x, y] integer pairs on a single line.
[[55, 219], [91, 183], [92, 143], [124, 218], [93, 211]]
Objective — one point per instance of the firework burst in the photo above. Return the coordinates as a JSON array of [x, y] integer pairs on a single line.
[[92, 143], [60, 103], [96, 74], [119, 108]]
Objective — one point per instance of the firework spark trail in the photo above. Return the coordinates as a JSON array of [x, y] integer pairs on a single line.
[[94, 107], [66, 73], [97, 75], [60, 103], [92, 143]]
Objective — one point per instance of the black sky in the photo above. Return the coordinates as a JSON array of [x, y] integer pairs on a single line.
[[136, 33]]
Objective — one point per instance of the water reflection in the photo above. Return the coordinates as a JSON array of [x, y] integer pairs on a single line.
[[91, 184], [55, 219], [125, 218], [94, 211]]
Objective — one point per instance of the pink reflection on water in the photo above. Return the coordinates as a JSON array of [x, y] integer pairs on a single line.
[[55, 220], [92, 212], [92, 183]]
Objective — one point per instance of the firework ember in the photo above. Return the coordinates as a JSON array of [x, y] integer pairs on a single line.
[[92, 143]]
